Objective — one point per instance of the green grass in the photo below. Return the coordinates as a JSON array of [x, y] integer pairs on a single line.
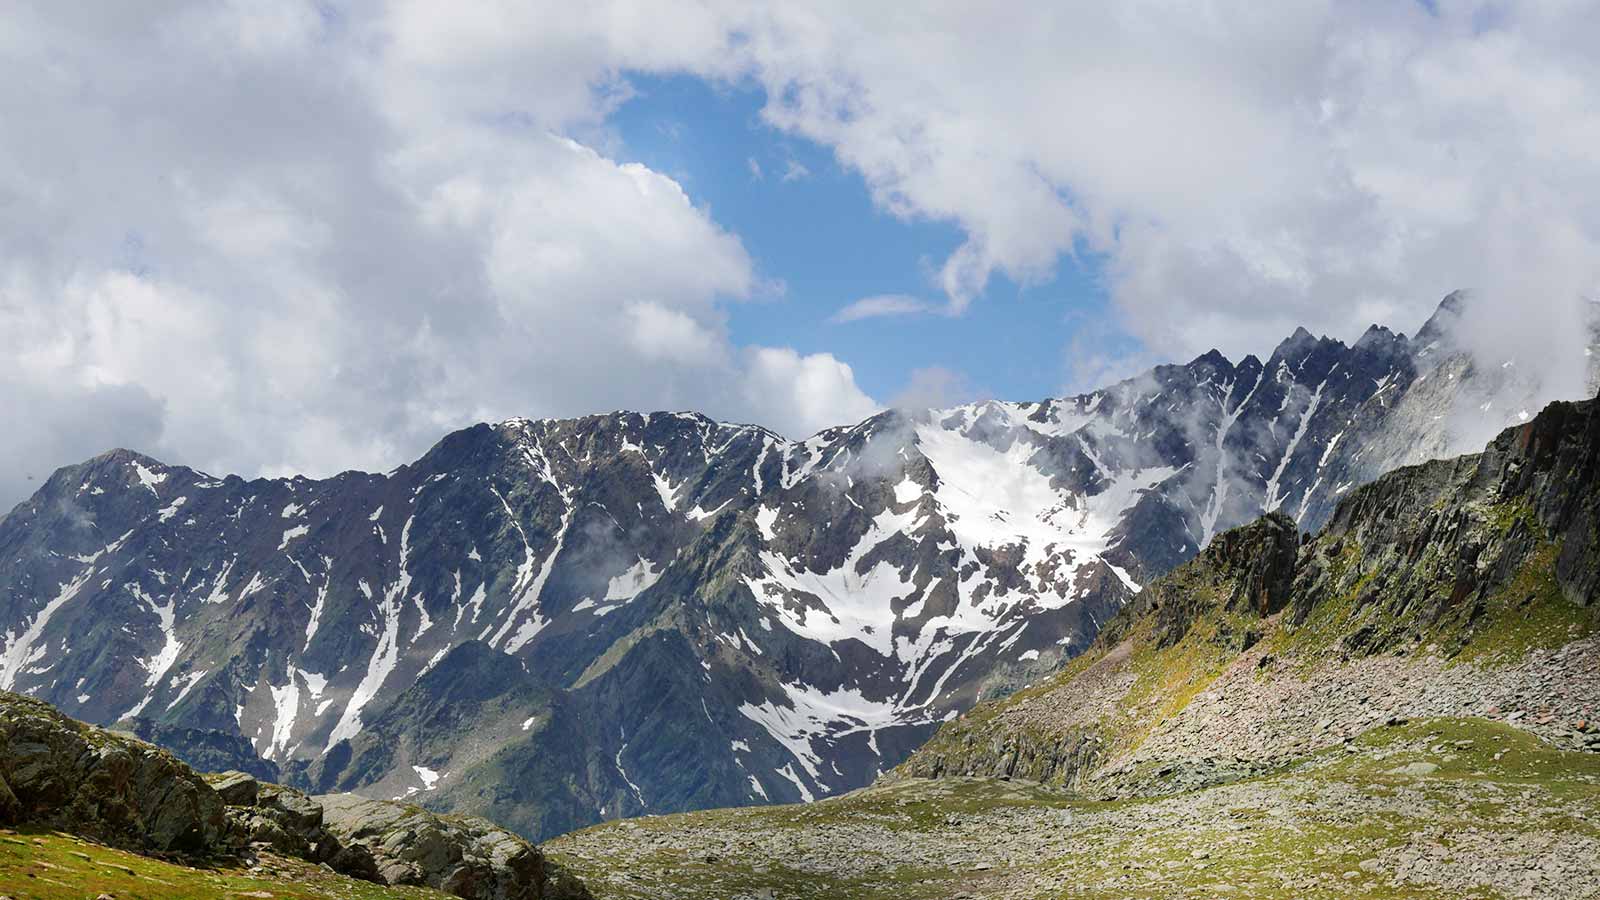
[[1530, 612], [1313, 831], [36, 864]]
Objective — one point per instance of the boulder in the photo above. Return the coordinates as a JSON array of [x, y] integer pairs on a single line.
[[109, 786], [234, 787], [462, 855], [115, 788]]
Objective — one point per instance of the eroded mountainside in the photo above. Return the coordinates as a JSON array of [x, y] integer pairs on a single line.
[[1459, 587], [1402, 706], [555, 622]]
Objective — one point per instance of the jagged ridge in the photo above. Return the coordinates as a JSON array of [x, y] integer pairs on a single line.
[[1458, 587]]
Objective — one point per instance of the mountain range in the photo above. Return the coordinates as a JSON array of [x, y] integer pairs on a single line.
[[1402, 705], [555, 622]]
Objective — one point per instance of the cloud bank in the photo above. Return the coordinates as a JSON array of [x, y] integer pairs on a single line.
[[307, 236], [302, 238]]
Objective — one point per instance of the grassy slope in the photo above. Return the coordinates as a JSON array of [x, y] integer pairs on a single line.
[[1332, 825], [48, 865]]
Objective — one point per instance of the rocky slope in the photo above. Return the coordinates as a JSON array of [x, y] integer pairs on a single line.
[[1402, 706], [555, 622], [1459, 587], [58, 776], [1442, 809]]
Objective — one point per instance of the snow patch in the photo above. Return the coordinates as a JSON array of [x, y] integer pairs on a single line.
[[158, 664], [788, 772], [171, 509], [149, 478], [297, 531], [639, 577], [286, 703], [664, 488], [20, 651], [816, 714], [185, 684], [766, 517]]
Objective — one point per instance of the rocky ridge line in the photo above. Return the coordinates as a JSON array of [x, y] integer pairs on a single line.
[[1463, 587]]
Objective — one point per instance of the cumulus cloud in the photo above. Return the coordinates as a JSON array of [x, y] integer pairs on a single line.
[[1242, 168], [310, 235], [304, 237], [805, 392]]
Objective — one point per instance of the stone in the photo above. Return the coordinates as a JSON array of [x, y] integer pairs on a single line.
[[463, 855], [1416, 769], [235, 788], [111, 787]]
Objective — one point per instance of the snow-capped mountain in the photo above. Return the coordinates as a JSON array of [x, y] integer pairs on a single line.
[[554, 622]]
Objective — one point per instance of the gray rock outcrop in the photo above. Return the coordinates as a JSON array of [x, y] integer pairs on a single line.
[[112, 787]]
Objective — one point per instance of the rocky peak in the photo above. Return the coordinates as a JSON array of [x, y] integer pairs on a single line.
[[1435, 334], [1294, 347]]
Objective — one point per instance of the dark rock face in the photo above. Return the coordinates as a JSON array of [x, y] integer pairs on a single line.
[[553, 622], [1248, 569], [1485, 557], [120, 790], [205, 749], [286, 821], [1435, 542], [113, 788]]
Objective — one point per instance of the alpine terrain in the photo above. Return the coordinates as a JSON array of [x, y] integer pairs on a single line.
[[1402, 706], [86, 812], [552, 623]]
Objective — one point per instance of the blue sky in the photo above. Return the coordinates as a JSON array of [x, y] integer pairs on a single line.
[[819, 234]]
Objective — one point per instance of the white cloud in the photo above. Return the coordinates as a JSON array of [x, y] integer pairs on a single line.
[[935, 387], [354, 227], [661, 333], [287, 239], [794, 170], [1242, 168], [881, 305], [806, 393]]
